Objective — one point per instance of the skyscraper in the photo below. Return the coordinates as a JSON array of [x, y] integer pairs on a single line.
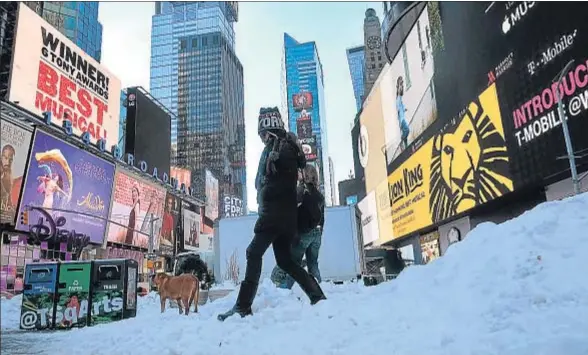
[[375, 58], [79, 22], [356, 61], [303, 104], [196, 74]]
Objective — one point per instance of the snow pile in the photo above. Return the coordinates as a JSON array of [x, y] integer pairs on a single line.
[[515, 288], [10, 312]]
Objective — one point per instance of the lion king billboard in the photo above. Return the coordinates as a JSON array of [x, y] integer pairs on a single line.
[[463, 166]]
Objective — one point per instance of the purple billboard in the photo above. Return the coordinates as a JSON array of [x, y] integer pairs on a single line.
[[65, 187]]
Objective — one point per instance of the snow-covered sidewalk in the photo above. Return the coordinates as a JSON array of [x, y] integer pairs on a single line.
[[515, 288]]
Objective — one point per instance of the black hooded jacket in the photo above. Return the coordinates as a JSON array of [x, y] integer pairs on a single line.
[[277, 203]]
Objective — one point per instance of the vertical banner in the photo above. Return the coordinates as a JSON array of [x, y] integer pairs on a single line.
[[71, 187], [134, 201], [211, 210], [191, 226], [171, 216], [15, 145]]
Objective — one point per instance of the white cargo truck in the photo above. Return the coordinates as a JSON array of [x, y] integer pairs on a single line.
[[341, 254]]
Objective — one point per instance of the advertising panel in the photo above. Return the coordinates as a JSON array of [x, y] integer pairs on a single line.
[[384, 212], [15, 143], [169, 227], [302, 101], [233, 206], [191, 226], [309, 148], [429, 247], [530, 110], [50, 73], [369, 218], [304, 125], [134, 201], [370, 141], [183, 176], [464, 166], [211, 208], [62, 178], [409, 103], [146, 119]]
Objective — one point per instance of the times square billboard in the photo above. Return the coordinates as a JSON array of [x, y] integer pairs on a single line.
[[50, 73], [516, 49]]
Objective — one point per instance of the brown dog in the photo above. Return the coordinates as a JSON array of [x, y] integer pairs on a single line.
[[184, 289]]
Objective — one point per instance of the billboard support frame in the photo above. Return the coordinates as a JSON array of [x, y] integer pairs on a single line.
[[565, 129]]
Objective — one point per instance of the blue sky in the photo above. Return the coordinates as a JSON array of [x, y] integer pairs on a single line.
[[334, 26]]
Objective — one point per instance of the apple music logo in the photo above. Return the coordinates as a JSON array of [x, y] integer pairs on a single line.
[[516, 15]]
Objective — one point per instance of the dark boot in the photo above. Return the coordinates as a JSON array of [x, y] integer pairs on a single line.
[[242, 307], [233, 311], [312, 289]]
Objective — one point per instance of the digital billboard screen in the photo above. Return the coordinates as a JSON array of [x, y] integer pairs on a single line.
[[71, 187], [148, 131], [50, 73], [134, 202]]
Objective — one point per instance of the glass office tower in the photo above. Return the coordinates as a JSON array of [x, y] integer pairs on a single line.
[[196, 74], [79, 22], [303, 97], [356, 61]]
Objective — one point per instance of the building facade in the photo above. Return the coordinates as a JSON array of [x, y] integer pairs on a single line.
[[356, 61], [304, 103], [375, 57], [78, 20], [196, 74]]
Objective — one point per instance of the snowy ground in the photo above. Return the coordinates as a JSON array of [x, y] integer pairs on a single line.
[[515, 288]]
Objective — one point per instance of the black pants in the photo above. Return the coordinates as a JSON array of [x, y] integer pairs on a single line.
[[282, 250]]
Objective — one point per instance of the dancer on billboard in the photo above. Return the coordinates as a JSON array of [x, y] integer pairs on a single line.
[[401, 110], [50, 185]]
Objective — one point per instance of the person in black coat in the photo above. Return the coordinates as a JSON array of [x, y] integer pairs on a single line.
[[276, 224]]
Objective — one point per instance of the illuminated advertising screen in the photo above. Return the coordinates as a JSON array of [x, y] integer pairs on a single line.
[[302, 101], [211, 191], [409, 101], [309, 148], [71, 189], [134, 202], [191, 226], [15, 145], [169, 226], [461, 167], [304, 125], [50, 73]]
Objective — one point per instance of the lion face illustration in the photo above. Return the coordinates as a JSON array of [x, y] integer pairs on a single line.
[[460, 158], [469, 164]]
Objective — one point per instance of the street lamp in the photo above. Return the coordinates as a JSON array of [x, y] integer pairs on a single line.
[[566, 132]]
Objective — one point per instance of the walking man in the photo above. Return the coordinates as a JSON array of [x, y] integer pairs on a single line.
[[277, 209]]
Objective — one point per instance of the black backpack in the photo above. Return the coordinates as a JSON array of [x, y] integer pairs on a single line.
[[310, 211]]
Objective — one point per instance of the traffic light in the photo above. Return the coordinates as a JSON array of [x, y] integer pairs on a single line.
[[24, 218]]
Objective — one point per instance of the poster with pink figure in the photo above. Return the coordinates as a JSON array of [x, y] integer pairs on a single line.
[[71, 185]]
